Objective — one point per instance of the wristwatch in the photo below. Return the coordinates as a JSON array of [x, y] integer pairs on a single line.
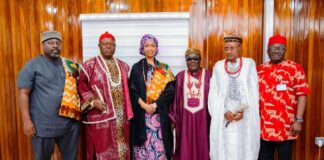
[[299, 119]]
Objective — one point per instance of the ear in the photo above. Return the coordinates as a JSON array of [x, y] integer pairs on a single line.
[[268, 52]]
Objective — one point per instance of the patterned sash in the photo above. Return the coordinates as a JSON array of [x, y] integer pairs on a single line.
[[161, 77], [70, 105]]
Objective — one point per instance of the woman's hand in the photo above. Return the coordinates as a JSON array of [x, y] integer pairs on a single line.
[[149, 108]]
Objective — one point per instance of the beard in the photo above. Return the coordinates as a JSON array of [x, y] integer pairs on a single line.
[[54, 54]]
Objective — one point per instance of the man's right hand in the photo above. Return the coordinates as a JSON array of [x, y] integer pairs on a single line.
[[29, 128], [99, 105], [229, 116], [172, 125]]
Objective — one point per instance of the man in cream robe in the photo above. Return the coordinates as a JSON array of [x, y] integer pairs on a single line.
[[234, 133]]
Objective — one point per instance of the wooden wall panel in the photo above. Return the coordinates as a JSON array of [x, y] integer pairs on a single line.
[[301, 21], [244, 17], [197, 27], [22, 21], [7, 98]]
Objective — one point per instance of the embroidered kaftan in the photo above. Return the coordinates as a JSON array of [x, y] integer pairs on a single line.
[[239, 140], [107, 134], [191, 118]]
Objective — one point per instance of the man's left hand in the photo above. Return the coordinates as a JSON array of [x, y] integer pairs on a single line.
[[296, 127]]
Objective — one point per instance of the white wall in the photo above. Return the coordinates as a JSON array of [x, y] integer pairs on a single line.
[[171, 29], [268, 22]]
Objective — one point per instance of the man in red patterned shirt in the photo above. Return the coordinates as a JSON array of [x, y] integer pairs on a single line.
[[283, 91]]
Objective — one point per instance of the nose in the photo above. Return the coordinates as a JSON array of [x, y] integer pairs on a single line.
[[277, 50], [108, 45], [229, 50]]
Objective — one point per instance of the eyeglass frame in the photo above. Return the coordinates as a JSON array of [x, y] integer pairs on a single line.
[[195, 58], [279, 48], [232, 48], [108, 44]]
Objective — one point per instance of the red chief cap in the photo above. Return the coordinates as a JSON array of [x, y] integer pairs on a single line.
[[106, 35], [277, 39]]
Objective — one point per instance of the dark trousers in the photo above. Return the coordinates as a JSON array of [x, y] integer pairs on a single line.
[[43, 147], [267, 150]]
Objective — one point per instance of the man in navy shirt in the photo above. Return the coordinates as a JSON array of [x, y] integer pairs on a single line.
[[41, 84]]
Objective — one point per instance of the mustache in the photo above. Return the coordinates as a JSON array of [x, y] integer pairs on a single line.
[[55, 50]]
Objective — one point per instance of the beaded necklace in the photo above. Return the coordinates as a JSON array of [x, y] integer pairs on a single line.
[[233, 71]]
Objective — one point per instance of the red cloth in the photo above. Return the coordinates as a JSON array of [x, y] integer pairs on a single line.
[[93, 68], [278, 108], [101, 138], [106, 35], [277, 39]]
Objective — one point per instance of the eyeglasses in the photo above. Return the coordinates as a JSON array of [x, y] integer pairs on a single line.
[[52, 42], [273, 49], [192, 58], [108, 44], [232, 48]]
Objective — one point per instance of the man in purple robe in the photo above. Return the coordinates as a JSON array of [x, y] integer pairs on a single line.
[[189, 112]]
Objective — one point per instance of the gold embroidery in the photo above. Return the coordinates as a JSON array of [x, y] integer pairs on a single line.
[[118, 100]]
